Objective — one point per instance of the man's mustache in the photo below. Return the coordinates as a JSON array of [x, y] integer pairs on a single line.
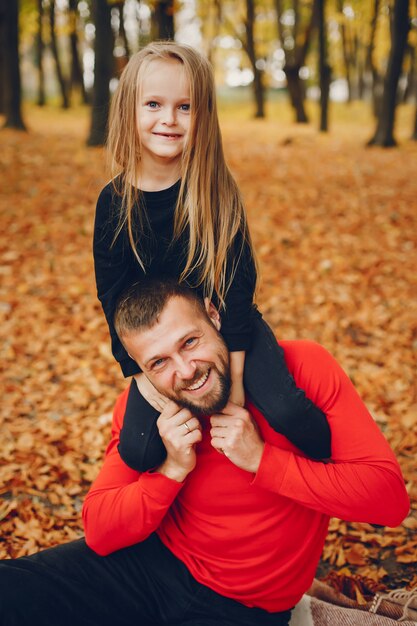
[[200, 371]]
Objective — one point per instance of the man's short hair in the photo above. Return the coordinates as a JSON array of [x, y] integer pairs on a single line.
[[141, 305]]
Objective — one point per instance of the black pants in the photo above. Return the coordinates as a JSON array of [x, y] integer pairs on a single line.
[[272, 390], [143, 585]]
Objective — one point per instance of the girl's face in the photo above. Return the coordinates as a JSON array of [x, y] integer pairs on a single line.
[[163, 112]]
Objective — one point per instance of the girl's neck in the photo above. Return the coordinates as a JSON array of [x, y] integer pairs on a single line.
[[157, 176]]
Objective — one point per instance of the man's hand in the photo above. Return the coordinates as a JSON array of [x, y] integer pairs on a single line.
[[235, 434], [180, 431]]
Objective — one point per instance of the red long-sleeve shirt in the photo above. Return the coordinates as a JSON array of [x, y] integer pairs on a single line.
[[256, 538]]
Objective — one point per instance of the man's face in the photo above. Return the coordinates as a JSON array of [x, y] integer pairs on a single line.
[[184, 356]]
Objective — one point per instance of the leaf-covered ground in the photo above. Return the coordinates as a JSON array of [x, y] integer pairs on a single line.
[[334, 224]]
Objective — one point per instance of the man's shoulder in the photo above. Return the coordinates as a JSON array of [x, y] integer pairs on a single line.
[[314, 369], [305, 351]]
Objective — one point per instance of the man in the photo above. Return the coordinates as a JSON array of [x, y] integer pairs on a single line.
[[229, 529]]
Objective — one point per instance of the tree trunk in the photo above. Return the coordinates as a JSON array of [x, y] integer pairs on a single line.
[[257, 84], [40, 46], [259, 94], [411, 75], [324, 69], [122, 30], [9, 10], [296, 92], [163, 20], [217, 22], [2, 55], [414, 135], [347, 57], [384, 134], [361, 71], [295, 59], [103, 71], [54, 46], [76, 75], [370, 68]]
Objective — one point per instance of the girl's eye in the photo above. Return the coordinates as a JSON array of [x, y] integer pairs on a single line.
[[184, 107], [152, 104]]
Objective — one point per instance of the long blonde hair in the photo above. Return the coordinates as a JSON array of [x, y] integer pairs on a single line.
[[209, 202]]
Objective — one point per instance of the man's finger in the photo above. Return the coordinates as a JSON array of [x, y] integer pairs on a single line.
[[219, 420], [231, 408], [218, 433], [218, 444], [170, 409]]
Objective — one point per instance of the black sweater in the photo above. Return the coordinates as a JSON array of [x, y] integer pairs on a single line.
[[116, 267]]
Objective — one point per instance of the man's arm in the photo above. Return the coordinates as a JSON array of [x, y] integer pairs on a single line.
[[364, 482], [123, 506]]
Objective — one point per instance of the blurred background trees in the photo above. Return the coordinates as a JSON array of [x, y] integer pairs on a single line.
[[71, 52]]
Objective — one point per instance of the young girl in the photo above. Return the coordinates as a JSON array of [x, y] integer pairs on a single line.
[[173, 208]]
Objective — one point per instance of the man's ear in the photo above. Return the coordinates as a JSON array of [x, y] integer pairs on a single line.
[[212, 312]]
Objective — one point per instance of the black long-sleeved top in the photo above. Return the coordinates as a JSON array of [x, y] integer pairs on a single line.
[[116, 266]]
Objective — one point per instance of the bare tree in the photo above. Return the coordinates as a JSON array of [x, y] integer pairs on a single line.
[[348, 53], [40, 46], [370, 65], [249, 45], [9, 37], [2, 56], [103, 71], [211, 18], [384, 134], [76, 75], [411, 78], [54, 47], [122, 31], [324, 67], [163, 20], [414, 135], [296, 53]]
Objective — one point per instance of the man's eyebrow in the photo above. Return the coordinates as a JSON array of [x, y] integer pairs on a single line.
[[179, 341]]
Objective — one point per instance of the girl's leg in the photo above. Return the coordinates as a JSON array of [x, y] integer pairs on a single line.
[[273, 391], [140, 445]]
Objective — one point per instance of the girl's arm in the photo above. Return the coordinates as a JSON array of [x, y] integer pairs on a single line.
[[115, 269], [237, 317], [237, 365], [288, 409]]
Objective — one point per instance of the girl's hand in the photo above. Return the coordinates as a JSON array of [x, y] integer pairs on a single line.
[[148, 391]]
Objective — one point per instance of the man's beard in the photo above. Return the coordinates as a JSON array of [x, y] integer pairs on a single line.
[[216, 400]]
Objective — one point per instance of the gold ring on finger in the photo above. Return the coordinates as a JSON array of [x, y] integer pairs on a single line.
[[187, 427]]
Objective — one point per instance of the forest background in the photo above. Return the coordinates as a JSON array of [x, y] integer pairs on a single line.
[[312, 94]]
